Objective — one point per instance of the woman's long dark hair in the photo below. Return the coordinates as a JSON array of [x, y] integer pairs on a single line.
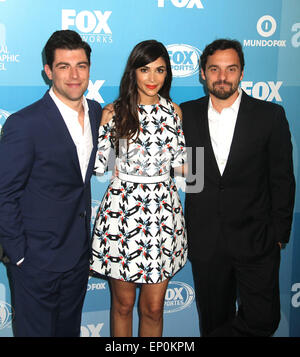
[[126, 115]]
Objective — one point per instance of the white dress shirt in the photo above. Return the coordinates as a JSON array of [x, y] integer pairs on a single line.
[[221, 129], [81, 138]]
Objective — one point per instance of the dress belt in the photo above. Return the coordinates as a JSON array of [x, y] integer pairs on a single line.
[[144, 179]]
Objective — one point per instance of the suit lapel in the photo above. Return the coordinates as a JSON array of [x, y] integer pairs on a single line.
[[94, 129], [241, 131], [61, 130], [209, 151]]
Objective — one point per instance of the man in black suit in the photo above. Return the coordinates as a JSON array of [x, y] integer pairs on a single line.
[[237, 224]]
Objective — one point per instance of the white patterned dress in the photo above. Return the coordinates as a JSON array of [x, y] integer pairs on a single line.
[[139, 232]]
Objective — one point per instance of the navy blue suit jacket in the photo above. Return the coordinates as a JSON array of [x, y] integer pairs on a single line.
[[45, 207]]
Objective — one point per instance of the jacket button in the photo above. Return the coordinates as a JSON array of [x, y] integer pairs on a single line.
[[82, 214]]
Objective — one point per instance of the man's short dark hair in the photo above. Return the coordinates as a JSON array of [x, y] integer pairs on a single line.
[[65, 39], [222, 44]]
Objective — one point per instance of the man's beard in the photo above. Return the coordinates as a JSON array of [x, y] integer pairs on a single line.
[[222, 93]]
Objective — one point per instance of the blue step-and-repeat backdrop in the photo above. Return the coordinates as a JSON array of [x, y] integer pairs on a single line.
[[269, 31]]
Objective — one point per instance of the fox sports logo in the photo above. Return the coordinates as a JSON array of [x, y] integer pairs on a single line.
[[6, 315], [178, 296], [184, 59]]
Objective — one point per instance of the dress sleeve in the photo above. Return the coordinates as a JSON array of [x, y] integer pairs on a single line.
[[180, 157], [104, 148]]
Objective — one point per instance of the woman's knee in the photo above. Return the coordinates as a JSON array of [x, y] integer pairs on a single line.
[[123, 298], [152, 299], [123, 307], [153, 311]]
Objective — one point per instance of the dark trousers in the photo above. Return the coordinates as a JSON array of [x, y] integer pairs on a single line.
[[48, 304], [238, 298]]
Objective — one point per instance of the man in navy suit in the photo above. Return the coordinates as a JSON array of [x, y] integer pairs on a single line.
[[47, 153], [237, 224]]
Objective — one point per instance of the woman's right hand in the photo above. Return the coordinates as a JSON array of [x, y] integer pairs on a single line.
[[107, 113]]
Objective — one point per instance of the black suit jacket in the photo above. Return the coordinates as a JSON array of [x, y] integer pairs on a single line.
[[251, 205]]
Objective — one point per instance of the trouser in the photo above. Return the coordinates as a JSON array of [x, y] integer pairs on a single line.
[[48, 304], [224, 283]]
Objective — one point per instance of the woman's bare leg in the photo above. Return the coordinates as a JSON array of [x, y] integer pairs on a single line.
[[151, 306], [123, 299]]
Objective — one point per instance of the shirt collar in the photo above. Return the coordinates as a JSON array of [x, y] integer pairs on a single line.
[[235, 106], [63, 108]]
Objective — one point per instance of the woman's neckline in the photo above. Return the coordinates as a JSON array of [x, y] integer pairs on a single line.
[[151, 105]]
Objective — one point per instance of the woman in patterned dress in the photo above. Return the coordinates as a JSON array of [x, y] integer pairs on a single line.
[[139, 233]]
